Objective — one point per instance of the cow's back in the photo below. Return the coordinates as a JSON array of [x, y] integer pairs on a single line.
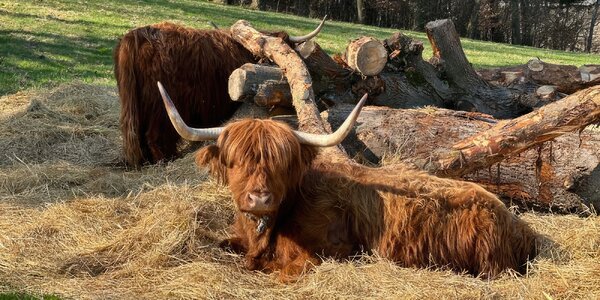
[[193, 65]]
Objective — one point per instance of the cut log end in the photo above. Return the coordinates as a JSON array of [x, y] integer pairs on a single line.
[[236, 85], [546, 92], [535, 65], [366, 55]]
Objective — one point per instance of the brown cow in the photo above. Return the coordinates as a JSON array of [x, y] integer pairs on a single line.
[[194, 64], [295, 207]]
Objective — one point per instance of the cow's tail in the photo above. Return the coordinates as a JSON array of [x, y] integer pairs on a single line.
[[125, 55]]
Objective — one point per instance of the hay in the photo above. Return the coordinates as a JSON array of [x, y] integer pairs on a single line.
[[76, 223]]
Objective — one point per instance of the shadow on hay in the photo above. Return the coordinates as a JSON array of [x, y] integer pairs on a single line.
[[66, 143]]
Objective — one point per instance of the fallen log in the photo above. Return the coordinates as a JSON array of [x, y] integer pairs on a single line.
[[525, 160], [409, 81], [511, 137], [567, 79]]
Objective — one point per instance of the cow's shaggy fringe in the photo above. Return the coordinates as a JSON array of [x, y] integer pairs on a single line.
[[75, 223]]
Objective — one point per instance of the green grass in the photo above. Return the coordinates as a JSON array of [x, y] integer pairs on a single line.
[[22, 296], [44, 43]]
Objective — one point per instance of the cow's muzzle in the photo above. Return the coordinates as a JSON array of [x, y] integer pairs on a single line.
[[261, 201]]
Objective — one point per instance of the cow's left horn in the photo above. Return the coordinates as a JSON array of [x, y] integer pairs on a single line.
[[186, 132], [304, 38], [326, 140]]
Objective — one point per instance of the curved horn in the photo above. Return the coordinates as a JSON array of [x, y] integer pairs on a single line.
[[300, 39], [186, 132], [321, 140]]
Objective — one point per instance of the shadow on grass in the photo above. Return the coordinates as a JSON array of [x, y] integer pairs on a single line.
[[29, 58]]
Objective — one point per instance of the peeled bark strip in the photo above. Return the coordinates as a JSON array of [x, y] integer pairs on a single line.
[[476, 94], [366, 55]]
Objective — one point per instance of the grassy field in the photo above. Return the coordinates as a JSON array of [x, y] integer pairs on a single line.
[[48, 42]]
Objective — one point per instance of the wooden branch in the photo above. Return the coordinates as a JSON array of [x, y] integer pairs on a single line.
[[295, 71], [293, 67], [511, 137], [366, 55]]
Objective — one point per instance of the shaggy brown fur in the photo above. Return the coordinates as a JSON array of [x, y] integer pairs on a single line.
[[339, 210], [193, 64]]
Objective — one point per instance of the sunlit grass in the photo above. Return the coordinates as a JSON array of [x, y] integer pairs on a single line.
[[44, 43]]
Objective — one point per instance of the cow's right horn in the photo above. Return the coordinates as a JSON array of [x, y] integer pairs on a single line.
[[326, 140], [304, 38], [186, 132]]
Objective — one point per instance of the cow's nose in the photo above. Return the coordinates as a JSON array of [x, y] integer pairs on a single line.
[[259, 200]]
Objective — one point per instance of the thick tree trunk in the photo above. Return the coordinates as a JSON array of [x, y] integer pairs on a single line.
[[561, 177], [360, 11], [515, 22]]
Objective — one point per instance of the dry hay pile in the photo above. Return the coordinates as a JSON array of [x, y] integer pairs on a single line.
[[74, 222]]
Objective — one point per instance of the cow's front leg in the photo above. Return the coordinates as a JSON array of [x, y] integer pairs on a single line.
[[235, 245]]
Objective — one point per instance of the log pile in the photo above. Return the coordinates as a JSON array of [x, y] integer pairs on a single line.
[[509, 129]]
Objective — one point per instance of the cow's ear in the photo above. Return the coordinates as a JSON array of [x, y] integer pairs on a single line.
[[206, 155], [209, 157]]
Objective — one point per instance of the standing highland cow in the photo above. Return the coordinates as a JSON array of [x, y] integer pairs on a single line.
[[295, 207], [194, 64]]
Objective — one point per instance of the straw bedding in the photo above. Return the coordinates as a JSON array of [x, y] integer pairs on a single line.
[[75, 222]]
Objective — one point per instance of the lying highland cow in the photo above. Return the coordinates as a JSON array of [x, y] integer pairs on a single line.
[[194, 64], [295, 207]]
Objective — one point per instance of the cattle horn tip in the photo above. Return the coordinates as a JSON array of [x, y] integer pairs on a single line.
[[304, 38]]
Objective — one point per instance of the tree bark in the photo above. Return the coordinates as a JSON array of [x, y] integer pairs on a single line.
[[511, 137], [330, 79]]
